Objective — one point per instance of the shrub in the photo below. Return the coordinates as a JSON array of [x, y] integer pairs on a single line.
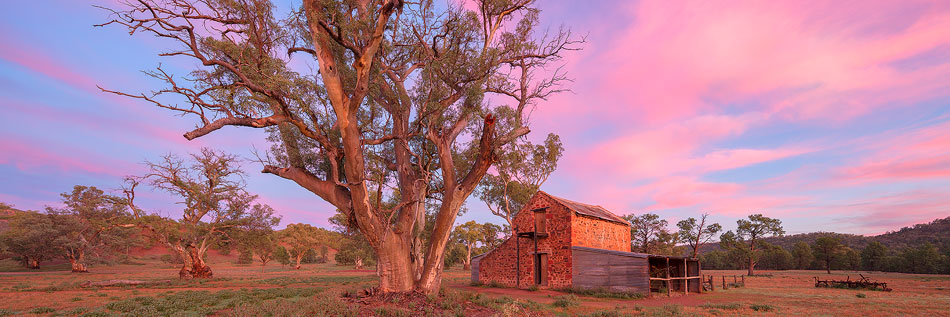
[[861, 295], [565, 301], [42, 310], [731, 306], [6, 312], [762, 307]]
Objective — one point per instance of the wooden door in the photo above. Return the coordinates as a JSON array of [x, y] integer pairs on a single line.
[[541, 269]]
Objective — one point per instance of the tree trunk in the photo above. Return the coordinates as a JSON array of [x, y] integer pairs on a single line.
[[199, 269], [828, 266], [395, 264], [752, 258], [358, 264], [33, 263], [468, 258], [299, 257], [77, 259]]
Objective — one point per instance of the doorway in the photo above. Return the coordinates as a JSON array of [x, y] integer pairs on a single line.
[[541, 269]]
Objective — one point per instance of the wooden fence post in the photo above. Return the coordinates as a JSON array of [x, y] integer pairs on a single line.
[[712, 284], [724, 283], [743, 281]]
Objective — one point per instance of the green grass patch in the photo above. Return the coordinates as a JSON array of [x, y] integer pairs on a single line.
[[602, 293], [203, 302], [42, 310], [762, 307], [566, 301], [730, 306]]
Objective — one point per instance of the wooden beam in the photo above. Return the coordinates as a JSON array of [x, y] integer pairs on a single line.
[[669, 285], [686, 281]]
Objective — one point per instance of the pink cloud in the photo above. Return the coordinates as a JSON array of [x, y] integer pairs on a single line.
[[29, 157], [922, 153], [807, 61]]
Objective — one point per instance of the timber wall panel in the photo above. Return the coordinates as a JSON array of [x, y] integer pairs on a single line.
[[613, 270]]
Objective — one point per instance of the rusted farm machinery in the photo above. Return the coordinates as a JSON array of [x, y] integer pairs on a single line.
[[863, 283]]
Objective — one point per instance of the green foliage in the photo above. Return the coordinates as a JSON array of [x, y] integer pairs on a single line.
[[861, 295], [744, 242], [29, 237], [281, 255], [696, 234], [826, 250], [872, 257], [521, 168], [303, 239], [648, 234], [802, 255]]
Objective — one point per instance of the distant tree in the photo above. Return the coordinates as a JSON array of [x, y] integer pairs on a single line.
[[802, 255], [354, 249], [31, 237], [261, 239], [695, 234], [89, 222], [522, 168], [300, 237], [648, 234], [872, 256], [215, 201], [468, 235], [490, 238], [281, 255], [775, 257], [850, 259], [748, 233], [826, 249], [924, 259]]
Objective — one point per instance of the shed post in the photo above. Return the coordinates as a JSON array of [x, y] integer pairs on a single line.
[[669, 285], [685, 275]]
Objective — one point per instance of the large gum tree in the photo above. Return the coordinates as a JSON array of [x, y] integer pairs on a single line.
[[396, 111]]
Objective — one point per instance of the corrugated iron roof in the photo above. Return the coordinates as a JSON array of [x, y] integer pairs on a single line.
[[589, 210]]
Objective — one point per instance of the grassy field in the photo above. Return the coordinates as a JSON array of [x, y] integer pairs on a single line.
[[319, 290]]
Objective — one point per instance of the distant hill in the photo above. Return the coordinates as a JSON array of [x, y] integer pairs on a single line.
[[936, 232]]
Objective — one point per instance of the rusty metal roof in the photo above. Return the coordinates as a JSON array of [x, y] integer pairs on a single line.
[[589, 210]]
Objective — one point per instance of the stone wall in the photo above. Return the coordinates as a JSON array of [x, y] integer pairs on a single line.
[[600, 234], [499, 265]]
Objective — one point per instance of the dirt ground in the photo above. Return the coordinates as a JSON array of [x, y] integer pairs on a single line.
[[771, 293]]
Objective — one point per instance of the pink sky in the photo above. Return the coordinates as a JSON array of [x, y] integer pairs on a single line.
[[829, 115]]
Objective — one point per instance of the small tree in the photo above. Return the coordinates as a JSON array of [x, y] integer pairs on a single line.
[[872, 257], [521, 169], [89, 222], [748, 233], [648, 234], [801, 252], [215, 205], [826, 249], [281, 255], [300, 237], [468, 234], [695, 234], [30, 237]]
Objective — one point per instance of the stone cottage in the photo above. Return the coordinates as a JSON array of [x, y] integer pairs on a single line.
[[560, 243]]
